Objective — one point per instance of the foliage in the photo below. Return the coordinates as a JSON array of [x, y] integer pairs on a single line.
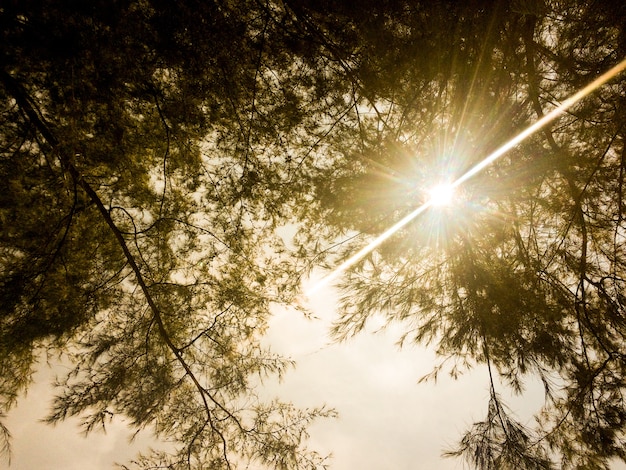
[[149, 150], [525, 272]]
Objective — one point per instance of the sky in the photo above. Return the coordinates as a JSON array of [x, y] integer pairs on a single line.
[[386, 419]]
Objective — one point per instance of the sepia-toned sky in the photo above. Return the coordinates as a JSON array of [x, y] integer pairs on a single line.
[[386, 419]]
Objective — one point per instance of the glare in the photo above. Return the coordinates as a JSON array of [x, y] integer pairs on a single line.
[[551, 116], [441, 195]]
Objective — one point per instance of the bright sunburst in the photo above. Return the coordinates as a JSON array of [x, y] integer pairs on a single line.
[[441, 195]]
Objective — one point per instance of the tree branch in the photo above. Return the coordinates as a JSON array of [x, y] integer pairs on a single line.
[[35, 117]]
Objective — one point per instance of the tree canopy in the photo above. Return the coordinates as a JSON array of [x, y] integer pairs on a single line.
[[524, 272], [149, 150]]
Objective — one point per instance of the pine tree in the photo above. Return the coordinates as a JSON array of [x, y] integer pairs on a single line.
[[524, 272], [149, 150]]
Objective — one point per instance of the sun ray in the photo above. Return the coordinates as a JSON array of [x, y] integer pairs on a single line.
[[442, 194], [551, 116]]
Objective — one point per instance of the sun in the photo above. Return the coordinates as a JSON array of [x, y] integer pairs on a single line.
[[441, 195]]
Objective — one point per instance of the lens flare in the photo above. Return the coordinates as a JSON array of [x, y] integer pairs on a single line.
[[442, 194], [551, 116]]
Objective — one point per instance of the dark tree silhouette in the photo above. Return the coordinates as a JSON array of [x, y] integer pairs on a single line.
[[149, 150], [525, 272]]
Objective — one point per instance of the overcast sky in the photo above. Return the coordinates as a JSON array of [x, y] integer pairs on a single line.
[[387, 420]]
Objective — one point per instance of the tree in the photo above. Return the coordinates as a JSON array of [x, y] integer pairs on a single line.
[[525, 272], [149, 150]]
